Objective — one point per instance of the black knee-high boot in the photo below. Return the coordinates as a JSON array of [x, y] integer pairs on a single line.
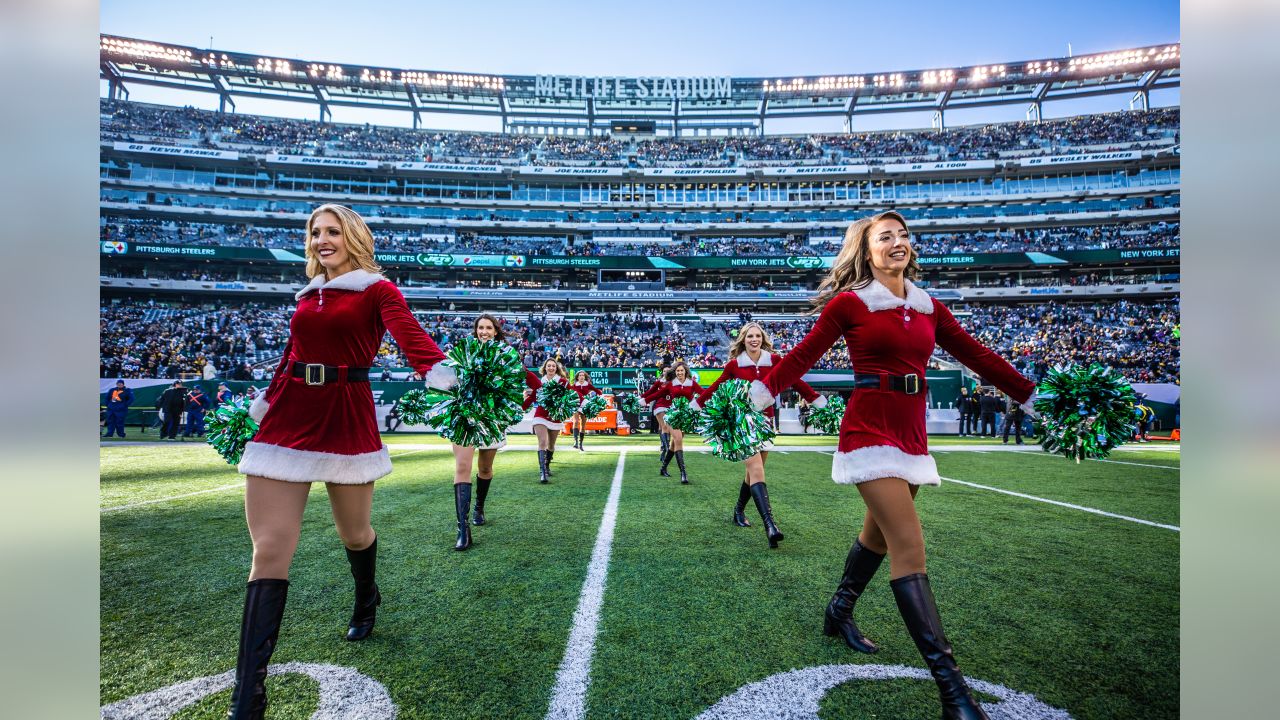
[[462, 505], [915, 602], [364, 565], [740, 510], [551, 453], [761, 495], [542, 467], [684, 476], [859, 567], [259, 629], [666, 460], [666, 443], [482, 491]]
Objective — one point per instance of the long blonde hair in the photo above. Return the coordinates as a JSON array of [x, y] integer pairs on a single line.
[[356, 234], [739, 344], [852, 267]]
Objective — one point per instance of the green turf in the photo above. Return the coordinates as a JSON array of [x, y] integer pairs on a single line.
[[1077, 609]]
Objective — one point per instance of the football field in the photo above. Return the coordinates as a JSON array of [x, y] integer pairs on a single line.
[[616, 593]]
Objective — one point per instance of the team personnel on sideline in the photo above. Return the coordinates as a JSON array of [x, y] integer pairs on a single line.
[[318, 424], [890, 327], [119, 399], [751, 357]]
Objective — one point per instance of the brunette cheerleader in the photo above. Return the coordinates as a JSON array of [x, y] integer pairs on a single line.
[[544, 428], [581, 385]]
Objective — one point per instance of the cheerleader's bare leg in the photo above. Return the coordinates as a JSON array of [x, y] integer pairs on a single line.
[[351, 506], [553, 434], [273, 510], [890, 501], [542, 432], [462, 461], [677, 449], [744, 494], [484, 476], [579, 431]]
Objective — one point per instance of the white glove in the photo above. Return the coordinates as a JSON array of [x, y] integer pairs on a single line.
[[696, 407], [820, 403], [442, 377], [1028, 406], [760, 396]]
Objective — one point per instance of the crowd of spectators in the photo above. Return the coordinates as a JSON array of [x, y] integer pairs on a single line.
[[164, 340], [121, 120]]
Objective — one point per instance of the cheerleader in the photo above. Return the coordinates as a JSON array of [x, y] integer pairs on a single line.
[[581, 385], [751, 357], [653, 398], [679, 384], [890, 327], [543, 427], [317, 424], [486, 327]]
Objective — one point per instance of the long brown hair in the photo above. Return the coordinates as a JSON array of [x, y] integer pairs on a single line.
[[670, 375], [739, 344], [499, 334], [852, 267], [355, 232]]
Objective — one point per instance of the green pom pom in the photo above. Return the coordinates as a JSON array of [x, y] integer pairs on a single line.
[[1086, 412], [592, 405], [230, 428], [827, 419], [487, 398], [628, 404], [682, 416], [733, 428], [416, 405], [558, 400]]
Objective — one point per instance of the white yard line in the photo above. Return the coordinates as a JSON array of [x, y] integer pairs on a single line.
[[1175, 468], [171, 497], [569, 697], [1082, 508]]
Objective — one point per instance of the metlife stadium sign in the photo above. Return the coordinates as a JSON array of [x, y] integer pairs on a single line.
[[639, 88]]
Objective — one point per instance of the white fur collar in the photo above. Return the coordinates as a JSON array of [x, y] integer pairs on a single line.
[[687, 382], [878, 297], [766, 360], [357, 280]]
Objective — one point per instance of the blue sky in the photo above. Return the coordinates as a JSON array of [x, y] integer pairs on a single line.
[[743, 39]]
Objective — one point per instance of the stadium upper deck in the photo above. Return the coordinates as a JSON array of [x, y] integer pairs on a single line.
[[675, 106]]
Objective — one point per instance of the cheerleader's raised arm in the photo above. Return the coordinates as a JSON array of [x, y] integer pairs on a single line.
[[836, 319], [422, 352], [980, 359]]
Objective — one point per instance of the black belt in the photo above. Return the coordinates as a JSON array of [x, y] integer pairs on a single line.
[[317, 374], [908, 384]]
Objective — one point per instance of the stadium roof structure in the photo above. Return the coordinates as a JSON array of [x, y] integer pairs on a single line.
[[677, 106]]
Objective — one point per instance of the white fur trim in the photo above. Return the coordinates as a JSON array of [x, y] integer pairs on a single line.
[[660, 411], [821, 402], [760, 396], [882, 461], [547, 423], [282, 463], [766, 360], [357, 280], [687, 382], [878, 297], [695, 405], [259, 407], [442, 377], [495, 446]]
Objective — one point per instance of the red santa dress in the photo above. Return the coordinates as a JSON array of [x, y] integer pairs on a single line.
[[329, 433], [540, 416], [883, 430], [742, 368]]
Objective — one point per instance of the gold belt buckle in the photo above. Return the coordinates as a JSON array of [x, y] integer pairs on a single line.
[[318, 377], [913, 383]]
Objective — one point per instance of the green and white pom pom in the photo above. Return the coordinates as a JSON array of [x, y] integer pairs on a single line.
[[682, 416], [1085, 412], [487, 399], [230, 428], [827, 419], [558, 400], [592, 405], [416, 404], [628, 404], [733, 428]]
